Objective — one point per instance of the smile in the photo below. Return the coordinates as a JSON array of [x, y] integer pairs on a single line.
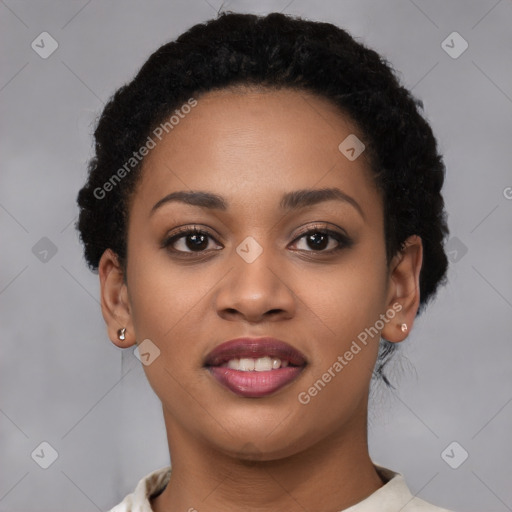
[[255, 367]]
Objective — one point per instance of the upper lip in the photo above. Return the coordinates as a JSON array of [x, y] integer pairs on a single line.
[[254, 348]]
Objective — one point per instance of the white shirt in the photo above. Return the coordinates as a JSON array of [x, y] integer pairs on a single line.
[[393, 496]]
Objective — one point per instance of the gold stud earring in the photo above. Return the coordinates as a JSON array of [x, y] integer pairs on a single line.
[[121, 334], [404, 327]]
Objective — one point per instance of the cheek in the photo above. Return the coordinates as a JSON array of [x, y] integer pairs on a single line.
[[164, 304], [342, 303], [163, 296], [342, 309]]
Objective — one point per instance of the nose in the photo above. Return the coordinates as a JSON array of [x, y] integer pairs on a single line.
[[255, 292]]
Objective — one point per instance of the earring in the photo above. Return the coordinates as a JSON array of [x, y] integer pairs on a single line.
[[121, 334], [404, 327]]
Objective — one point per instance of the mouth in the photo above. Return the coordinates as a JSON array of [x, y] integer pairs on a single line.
[[255, 367]]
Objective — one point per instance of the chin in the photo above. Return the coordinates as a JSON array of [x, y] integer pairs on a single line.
[[263, 442]]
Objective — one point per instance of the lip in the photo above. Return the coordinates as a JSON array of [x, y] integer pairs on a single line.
[[254, 384]]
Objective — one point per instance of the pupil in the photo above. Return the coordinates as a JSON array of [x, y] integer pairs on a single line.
[[322, 243], [200, 245]]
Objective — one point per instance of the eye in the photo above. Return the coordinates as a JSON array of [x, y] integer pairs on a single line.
[[319, 239], [188, 240]]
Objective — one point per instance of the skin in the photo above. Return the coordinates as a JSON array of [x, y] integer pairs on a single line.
[[272, 453]]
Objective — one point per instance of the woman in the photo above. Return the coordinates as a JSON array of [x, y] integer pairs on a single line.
[[265, 215]]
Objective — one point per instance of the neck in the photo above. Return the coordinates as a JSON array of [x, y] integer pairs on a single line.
[[332, 474]]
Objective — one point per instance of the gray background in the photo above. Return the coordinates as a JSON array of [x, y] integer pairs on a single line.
[[63, 382]]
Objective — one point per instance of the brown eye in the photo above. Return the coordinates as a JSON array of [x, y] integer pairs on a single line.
[[324, 241], [188, 241]]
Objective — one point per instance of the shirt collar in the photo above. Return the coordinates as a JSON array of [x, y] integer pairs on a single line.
[[393, 496]]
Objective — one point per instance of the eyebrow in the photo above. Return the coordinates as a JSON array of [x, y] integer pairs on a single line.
[[289, 201]]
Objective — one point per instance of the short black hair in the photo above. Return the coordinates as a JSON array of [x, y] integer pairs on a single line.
[[276, 51]]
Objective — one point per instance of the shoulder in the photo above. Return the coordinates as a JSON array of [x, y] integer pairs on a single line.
[[393, 496], [148, 486]]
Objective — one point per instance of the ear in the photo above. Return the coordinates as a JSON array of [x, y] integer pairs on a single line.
[[404, 289], [115, 305]]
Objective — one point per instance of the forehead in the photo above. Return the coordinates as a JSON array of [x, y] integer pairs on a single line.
[[248, 143]]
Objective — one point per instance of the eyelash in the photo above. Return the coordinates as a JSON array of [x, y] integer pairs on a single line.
[[343, 240]]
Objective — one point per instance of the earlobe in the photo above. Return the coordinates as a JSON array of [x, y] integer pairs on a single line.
[[404, 289], [115, 306]]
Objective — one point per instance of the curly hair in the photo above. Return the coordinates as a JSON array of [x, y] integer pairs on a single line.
[[277, 51]]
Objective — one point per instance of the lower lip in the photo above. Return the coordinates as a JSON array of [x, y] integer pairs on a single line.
[[254, 384]]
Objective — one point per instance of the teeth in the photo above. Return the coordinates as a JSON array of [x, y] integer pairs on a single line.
[[262, 364], [246, 365]]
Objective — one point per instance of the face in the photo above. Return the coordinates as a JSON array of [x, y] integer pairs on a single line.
[[264, 261]]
